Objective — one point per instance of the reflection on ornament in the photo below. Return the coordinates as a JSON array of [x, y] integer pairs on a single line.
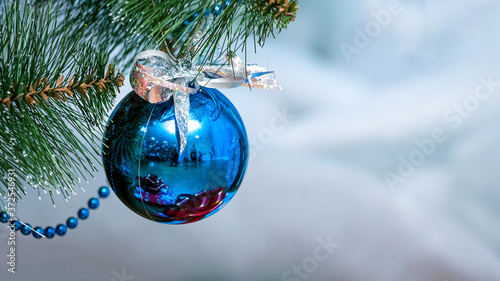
[[190, 208], [152, 189]]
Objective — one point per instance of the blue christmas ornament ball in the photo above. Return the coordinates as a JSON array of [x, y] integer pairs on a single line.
[[149, 175]]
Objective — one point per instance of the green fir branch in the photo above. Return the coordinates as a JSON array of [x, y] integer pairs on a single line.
[[55, 91], [94, 18], [171, 25], [126, 27]]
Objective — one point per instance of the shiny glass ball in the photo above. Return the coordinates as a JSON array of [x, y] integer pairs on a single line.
[[147, 173]]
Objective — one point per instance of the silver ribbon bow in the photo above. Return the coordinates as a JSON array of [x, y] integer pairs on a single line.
[[156, 78]]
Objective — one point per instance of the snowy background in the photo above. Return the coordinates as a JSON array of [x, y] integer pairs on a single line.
[[352, 120]]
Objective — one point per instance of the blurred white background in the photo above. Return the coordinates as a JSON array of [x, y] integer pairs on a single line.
[[352, 119]]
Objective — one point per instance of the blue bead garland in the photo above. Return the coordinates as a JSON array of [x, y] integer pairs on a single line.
[[61, 229]]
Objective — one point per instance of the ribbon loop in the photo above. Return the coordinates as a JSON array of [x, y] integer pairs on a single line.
[[156, 78]]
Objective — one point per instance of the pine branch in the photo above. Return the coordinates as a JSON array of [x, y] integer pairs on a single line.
[[51, 124], [61, 91], [173, 24], [130, 26]]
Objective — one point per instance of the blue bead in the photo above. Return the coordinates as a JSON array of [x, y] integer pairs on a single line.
[[61, 229], [17, 225], [104, 192], [4, 217], [191, 19], [83, 213], [173, 188], [50, 232], [26, 229], [217, 10], [38, 232], [72, 222], [93, 203], [12, 225]]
